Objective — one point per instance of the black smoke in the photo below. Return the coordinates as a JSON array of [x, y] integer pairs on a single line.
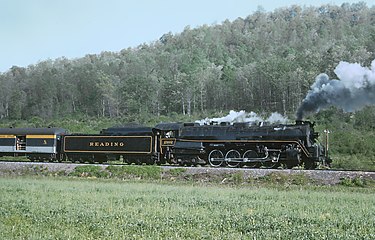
[[354, 90]]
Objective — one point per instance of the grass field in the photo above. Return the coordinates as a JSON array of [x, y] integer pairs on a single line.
[[76, 208]]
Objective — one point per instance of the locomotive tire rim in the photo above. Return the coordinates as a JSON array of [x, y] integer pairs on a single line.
[[216, 154]]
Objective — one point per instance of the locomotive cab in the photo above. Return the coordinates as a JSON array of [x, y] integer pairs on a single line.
[[168, 135]]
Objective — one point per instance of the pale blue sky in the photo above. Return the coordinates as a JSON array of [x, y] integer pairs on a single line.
[[36, 30]]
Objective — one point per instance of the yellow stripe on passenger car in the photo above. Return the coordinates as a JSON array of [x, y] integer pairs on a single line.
[[7, 136], [41, 136]]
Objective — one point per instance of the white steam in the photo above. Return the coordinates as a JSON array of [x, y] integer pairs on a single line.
[[243, 116], [354, 90]]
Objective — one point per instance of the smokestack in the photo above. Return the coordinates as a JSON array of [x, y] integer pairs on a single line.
[[354, 90]]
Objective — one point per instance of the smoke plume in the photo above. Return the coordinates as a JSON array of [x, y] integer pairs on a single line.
[[353, 90], [243, 116]]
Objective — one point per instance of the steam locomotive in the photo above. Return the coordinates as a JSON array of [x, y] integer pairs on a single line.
[[217, 144]]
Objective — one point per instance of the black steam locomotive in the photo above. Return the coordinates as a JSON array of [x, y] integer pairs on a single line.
[[233, 145]]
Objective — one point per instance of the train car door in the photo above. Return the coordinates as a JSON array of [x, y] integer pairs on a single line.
[[21, 143]]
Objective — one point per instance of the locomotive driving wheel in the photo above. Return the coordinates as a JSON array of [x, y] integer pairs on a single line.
[[250, 154], [216, 158], [270, 164], [233, 154]]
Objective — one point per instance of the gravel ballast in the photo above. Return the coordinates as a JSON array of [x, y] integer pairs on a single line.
[[325, 177]]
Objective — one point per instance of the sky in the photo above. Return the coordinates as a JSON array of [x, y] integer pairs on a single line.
[[36, 30]]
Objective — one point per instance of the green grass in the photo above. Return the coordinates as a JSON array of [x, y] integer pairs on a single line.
[[353, 162], [144, 172], [69, 208], [89, 171]]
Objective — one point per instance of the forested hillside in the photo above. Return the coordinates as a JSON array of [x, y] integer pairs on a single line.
[[265, 62]]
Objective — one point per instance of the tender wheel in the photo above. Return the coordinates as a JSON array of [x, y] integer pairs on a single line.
[[150, 161], [100, 158], [233, 154], [250, 154], [216, 158]]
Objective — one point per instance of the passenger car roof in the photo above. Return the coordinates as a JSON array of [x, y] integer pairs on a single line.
[[32, 131]]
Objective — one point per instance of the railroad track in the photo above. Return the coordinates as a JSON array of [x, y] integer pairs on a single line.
[[321, 176]]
